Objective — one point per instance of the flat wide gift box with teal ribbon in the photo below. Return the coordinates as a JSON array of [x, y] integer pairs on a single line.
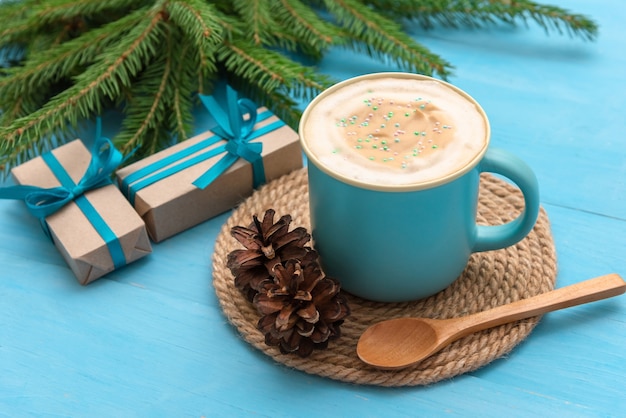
[[91, 223], [203, 176]]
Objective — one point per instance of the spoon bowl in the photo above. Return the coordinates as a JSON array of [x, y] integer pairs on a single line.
[[391, 338], [402, 342]]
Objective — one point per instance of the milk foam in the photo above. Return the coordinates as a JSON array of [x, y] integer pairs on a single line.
[[394, 131]]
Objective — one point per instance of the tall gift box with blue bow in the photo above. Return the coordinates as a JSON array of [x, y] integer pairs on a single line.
[[89, 220], [205, 175]]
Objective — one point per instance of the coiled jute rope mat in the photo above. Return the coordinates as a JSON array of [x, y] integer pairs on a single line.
[[490, 279]]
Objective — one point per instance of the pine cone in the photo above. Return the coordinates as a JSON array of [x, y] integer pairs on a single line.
[[302, 309], [267, 245]]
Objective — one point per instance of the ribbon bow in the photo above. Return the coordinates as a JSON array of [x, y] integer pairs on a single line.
[[42, 202], [233, 126]]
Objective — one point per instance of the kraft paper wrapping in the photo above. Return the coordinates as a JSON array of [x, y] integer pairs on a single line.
[[174, 204], [77, 240]]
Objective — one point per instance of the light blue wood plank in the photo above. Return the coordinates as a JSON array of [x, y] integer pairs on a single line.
[[151, 340], [167, 340], [165, 347]]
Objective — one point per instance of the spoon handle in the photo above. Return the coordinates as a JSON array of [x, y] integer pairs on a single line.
[[587, 291]]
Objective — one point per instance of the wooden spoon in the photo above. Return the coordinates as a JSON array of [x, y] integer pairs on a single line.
[[402, 342]]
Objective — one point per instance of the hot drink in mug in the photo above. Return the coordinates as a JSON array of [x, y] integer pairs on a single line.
[[394, 161]]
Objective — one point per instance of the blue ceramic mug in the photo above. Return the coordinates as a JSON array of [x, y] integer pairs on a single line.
[[397, 242]]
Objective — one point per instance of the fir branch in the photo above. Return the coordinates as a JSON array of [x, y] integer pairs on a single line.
[[312, 33], [50, 66], [181, 118], [51, 11], [160, 105], [259, 66], [198, 21], [31, 18], [100, 81], [147, 109], [476, 13], [257, 20], [380, 36], [15, 32], [68, 60], [205, 26]]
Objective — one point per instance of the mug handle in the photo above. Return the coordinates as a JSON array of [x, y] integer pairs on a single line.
[[494, 237]]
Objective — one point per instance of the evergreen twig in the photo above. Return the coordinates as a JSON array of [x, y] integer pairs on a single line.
[[65, 61]]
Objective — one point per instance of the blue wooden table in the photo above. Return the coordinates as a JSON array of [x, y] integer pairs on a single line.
[[151, 340]]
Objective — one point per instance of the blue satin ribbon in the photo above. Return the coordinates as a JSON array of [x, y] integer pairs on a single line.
[[232, 126], [42, 202]]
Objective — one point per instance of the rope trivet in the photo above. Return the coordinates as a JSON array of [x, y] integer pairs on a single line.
[[491, 278]]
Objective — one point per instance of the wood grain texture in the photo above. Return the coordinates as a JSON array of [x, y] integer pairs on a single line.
[[401, 342], [150, 339]]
